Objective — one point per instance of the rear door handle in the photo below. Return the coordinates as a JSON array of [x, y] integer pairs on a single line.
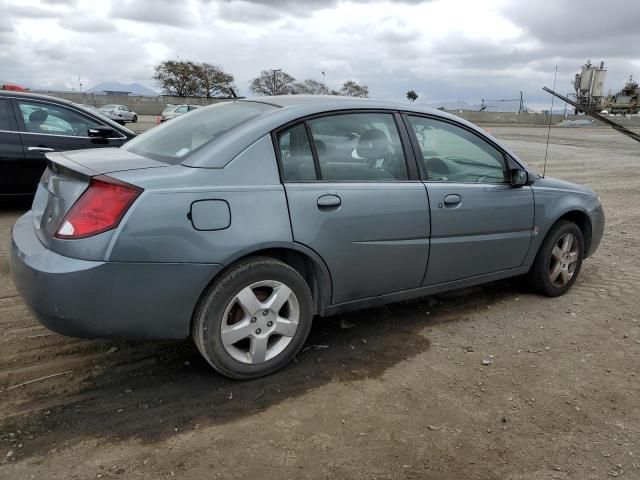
[[452, 199], [40, 149], [329, 202]]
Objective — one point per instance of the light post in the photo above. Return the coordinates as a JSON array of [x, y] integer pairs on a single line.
[[324, 87]]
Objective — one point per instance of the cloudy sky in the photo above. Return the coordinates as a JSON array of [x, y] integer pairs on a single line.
[[442, 49]]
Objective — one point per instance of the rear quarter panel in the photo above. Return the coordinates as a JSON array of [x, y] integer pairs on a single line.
[[158, 227]]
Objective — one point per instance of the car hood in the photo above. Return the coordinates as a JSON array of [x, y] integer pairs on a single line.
[[557, 184], [97, 161]]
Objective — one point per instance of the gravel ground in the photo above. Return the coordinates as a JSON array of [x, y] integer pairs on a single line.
[[402, 393]]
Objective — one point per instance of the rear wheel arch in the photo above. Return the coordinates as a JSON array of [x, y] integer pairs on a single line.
[[306, 262]]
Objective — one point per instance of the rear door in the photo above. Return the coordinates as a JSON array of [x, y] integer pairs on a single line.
[[49, 127], [355, 200], [480, 223], [12, 173]]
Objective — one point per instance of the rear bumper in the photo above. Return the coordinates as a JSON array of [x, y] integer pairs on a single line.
[[89, 299]]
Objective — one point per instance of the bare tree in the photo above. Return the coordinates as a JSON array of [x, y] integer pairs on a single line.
[[352, 89], [178, 78], [213, 80], [273, 82], [412, 96], [311, 87]]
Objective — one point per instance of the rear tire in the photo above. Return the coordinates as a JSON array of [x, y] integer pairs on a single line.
[[254, 319], [559, 260]]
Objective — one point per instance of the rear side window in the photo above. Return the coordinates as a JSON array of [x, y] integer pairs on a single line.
[[174, 141], [296, 155], [359, 147], [6, 122]]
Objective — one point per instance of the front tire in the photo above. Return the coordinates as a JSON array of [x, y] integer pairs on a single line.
[[559, 260], [254, 319], [135, 118]]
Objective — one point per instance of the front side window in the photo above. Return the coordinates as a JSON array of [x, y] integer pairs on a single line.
[[54, 120], [296, 155], [453, 154], [173, 142], [359, 147]]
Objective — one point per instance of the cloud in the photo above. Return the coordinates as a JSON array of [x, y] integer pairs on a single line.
[[87, 25], [163, 12], [444, 49]]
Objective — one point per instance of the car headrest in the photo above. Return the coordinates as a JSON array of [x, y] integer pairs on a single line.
[[373, 144], [38, 116]]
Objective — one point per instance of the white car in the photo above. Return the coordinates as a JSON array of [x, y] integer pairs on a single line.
[[173, 111], [118, 113]]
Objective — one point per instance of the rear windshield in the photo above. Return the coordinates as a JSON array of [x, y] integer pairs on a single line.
[[174, 141]]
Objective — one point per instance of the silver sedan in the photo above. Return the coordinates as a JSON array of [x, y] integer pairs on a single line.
[[239, 223]]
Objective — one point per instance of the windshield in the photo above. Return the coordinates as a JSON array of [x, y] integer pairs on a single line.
[[174, 141]]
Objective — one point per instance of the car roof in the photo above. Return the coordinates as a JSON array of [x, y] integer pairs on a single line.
[[291, 108]]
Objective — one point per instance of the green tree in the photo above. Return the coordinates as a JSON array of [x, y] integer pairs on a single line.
[[310, 87], [213, 80], [353, 89], [412, 96], [273, 82], [179, 78]]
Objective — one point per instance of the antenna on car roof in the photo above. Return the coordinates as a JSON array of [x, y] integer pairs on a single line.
[[546, 152]]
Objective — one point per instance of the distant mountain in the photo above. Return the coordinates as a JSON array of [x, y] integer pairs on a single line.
[[134, 88]]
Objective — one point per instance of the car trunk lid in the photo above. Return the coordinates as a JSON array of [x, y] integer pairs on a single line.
[[67, 176]]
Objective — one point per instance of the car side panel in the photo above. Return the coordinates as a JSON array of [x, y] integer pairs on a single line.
[[553, 199], [158, 227]]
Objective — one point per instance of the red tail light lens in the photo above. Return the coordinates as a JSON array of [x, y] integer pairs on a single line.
[[99, 208]]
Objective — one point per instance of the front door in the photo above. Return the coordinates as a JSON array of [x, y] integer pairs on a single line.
[[480, 224], [351, 200]]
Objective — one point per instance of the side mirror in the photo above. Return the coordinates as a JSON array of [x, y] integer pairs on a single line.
[[101, 132], [519, 177]]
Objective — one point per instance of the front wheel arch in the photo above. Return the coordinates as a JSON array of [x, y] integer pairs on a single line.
[[583, 222]]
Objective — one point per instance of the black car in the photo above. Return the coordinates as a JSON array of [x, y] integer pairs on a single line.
[[32, 125]]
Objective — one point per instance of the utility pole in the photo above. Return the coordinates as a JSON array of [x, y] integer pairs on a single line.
[[274, 90], [79, 83], [324, 88], [520, 110]]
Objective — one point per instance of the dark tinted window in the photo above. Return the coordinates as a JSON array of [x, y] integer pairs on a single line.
[[174, 141], [54, 120], [453, 154], [5, 115], [359, 147], [296, 155]]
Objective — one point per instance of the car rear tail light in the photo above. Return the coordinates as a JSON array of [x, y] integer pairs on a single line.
[[99, 208]]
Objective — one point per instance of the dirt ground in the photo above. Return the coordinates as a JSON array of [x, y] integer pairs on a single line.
[[403, 393]]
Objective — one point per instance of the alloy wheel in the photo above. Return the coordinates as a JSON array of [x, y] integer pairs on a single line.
[[563, 260], [260, 321]]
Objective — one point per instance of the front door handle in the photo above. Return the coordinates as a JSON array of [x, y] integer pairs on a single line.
[[452, 199], [329, 202], [40, 149]]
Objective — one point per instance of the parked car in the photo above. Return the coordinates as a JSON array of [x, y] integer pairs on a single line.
[[173, 111], [119, 113], [238, 223], [32, 125]]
